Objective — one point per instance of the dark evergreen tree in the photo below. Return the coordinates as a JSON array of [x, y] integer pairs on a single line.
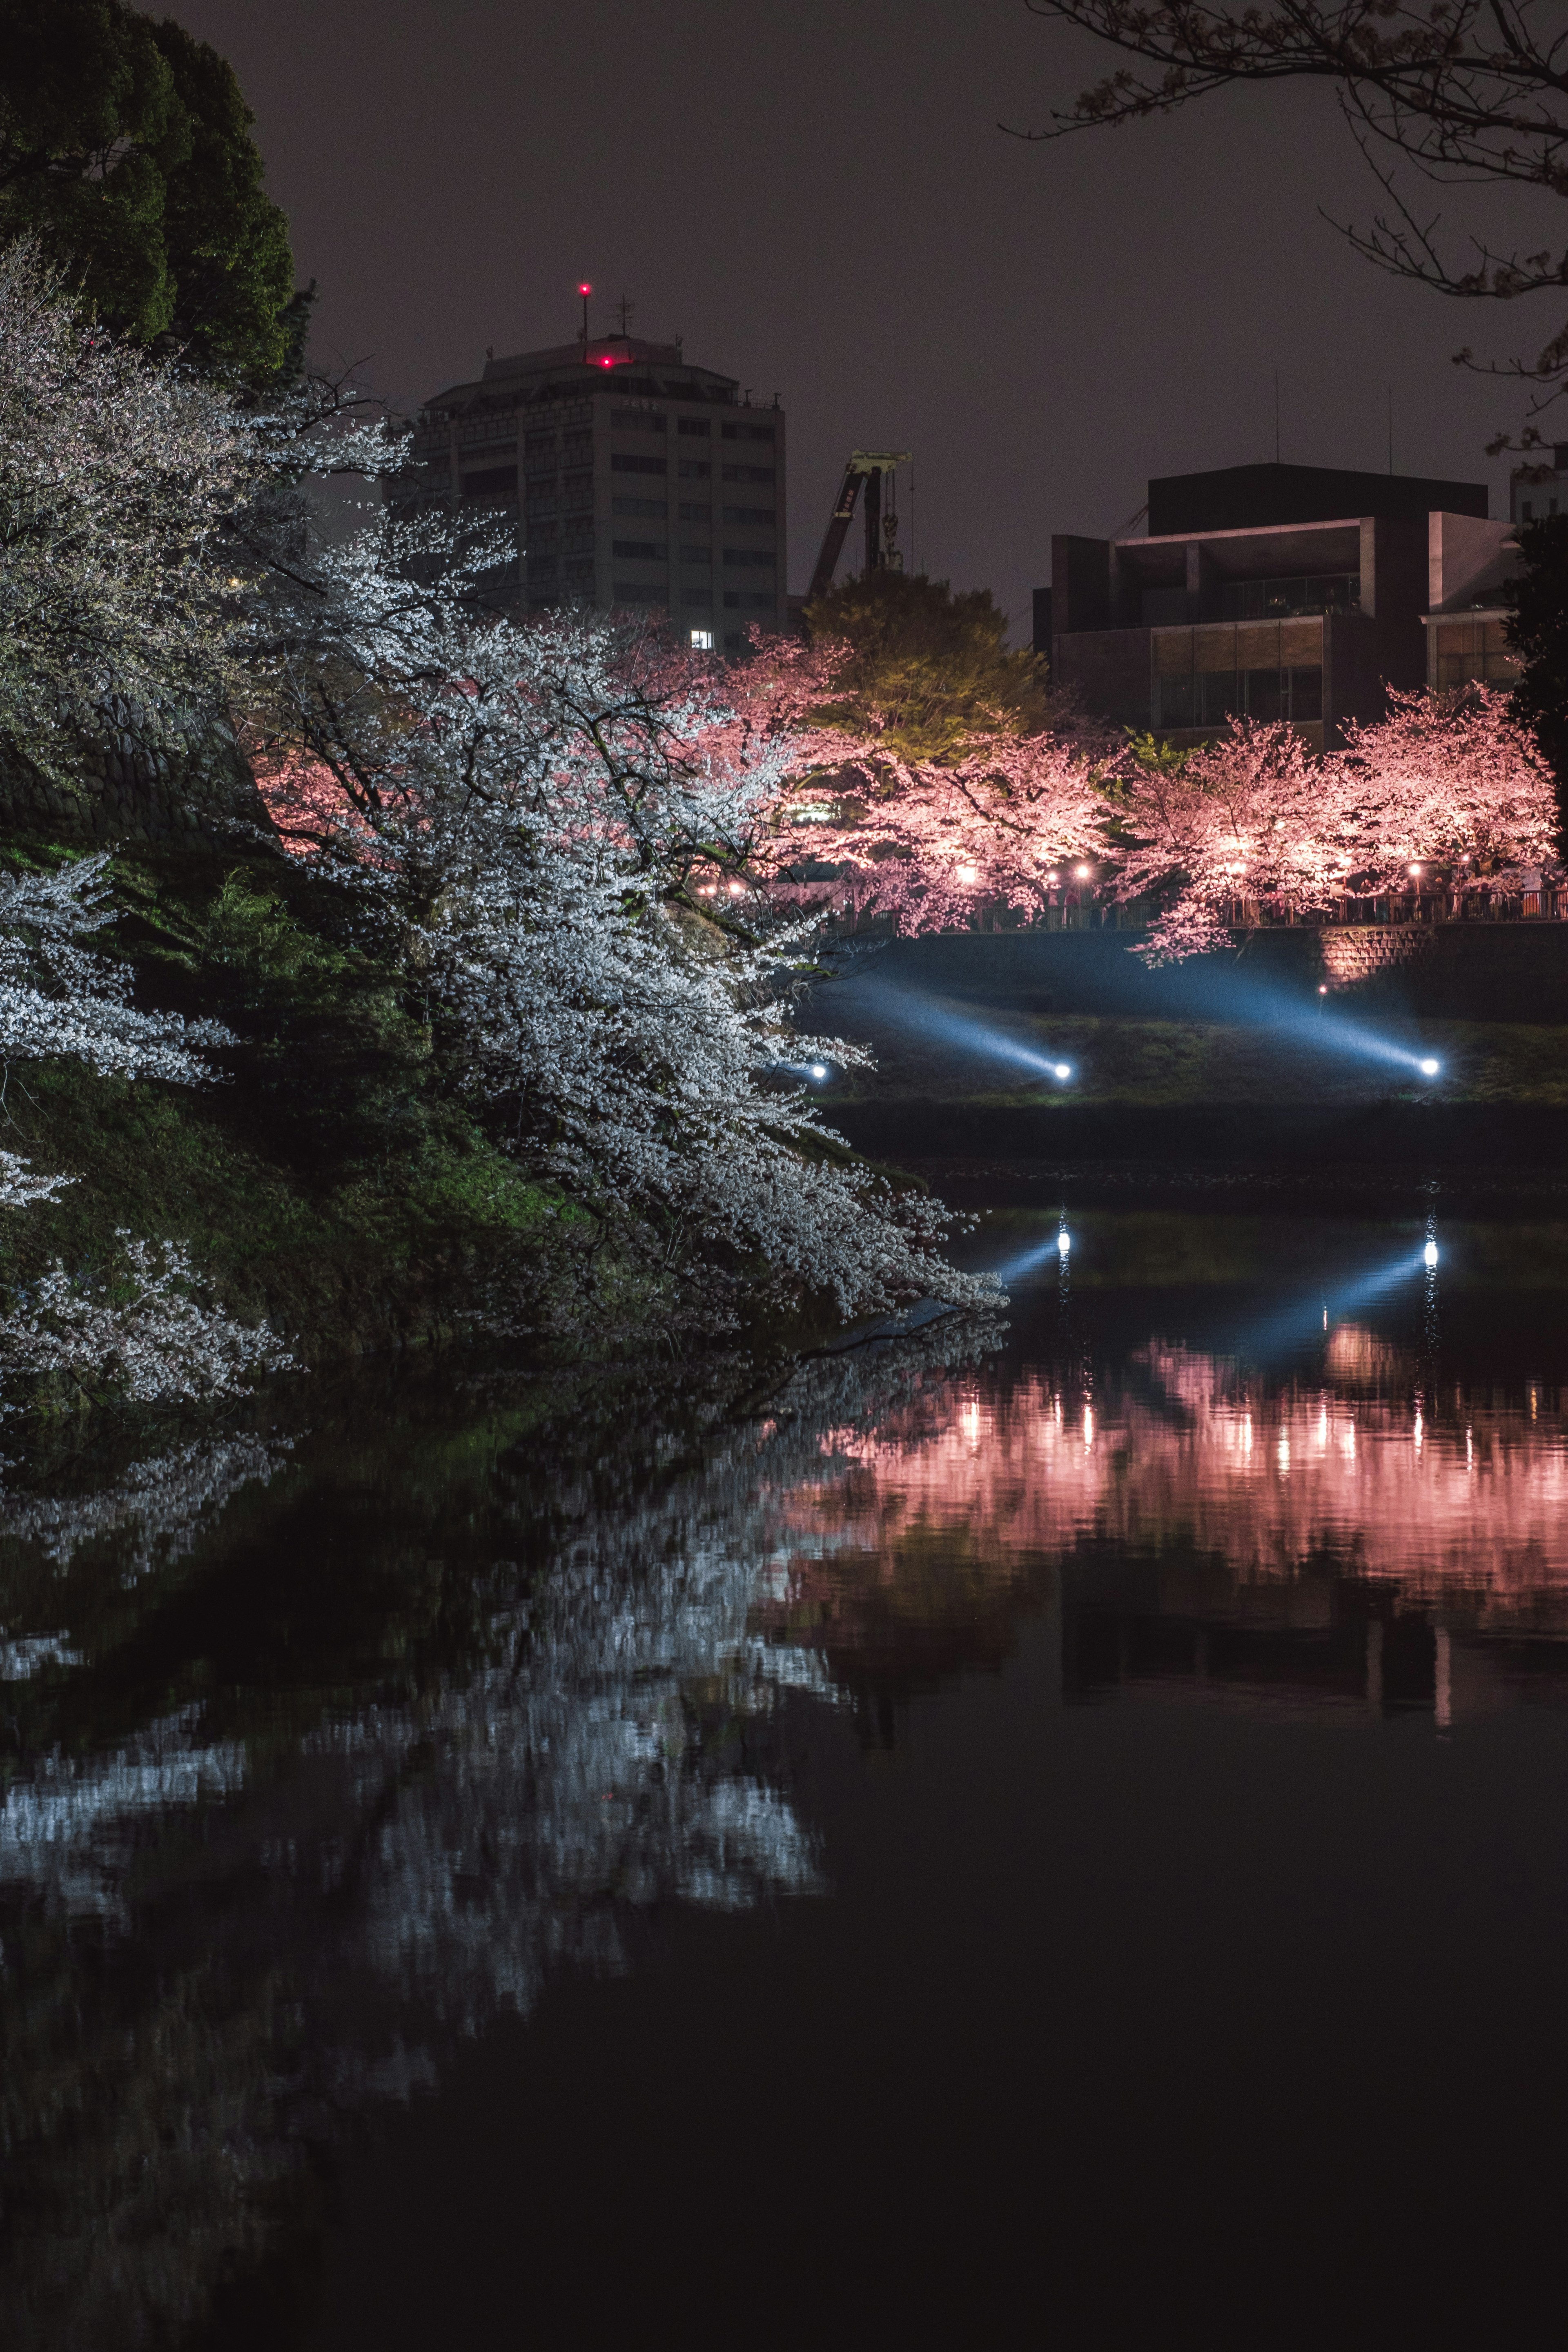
[[125, 147], [1539, 634]]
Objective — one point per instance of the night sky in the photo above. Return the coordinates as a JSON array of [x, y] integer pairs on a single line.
[[820, 200]]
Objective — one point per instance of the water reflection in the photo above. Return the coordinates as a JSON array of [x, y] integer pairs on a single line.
[[323, 1750]]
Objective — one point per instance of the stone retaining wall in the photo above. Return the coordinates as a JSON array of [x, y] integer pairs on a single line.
[[124, 791]]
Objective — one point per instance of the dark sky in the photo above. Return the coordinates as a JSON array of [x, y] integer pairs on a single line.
[[820, 200]]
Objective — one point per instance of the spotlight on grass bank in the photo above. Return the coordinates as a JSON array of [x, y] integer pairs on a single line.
[[923, 1016]]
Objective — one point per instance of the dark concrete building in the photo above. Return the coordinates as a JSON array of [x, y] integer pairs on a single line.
[[1276, 592], [638, 481]]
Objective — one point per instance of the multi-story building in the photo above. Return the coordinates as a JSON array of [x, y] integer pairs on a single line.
[[1539, 489], [638, 481], [1276, 592]]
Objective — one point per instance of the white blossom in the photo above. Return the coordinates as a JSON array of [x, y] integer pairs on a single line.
[[18, 1185], [60, 998], [147, 1333]]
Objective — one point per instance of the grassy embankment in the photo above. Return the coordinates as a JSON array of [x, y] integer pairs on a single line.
[[334, 1180], [1216, 1089]]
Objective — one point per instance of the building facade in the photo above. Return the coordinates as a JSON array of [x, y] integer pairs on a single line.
[[638, 481], [1272, 592]]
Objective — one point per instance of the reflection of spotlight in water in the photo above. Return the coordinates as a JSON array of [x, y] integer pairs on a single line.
[[1064, 1241], [1429, 1255]]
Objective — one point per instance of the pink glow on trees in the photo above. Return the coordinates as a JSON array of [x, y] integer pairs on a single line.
[[1446, 793], [1450, 783], [1254, 816]]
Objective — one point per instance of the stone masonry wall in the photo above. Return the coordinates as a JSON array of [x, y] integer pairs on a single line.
[[125, 791]]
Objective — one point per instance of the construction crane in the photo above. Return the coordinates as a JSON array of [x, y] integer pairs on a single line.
[[867, 465]]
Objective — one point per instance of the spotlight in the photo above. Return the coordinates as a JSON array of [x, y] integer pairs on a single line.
[[1053, 879], [1429, 1255], [1063, 1069], [1083, 872], [1416, 869], [1323, 988], [1429, 1069], [818, 1071], [736, 889]]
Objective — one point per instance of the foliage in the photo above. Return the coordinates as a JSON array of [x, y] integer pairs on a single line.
[[931, 844], [140, 512], [125, 147], [58, 997], [921, 670], [1448, 787], [1538, 629], [525, 808], [1468, 90], [149, 1333]]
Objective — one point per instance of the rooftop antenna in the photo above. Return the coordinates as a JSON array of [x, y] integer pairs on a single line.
[[584, 289], [627, 309], [1275, 416]]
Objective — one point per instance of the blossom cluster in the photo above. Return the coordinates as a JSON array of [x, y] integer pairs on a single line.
[[60, 998], [148, 1333]]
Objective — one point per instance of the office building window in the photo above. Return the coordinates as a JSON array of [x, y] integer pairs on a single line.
[[621, 463], [749, 559], [1209, 698], [747, 599], [637, 592], [695, 469], [734, 643], [695, 555], [761, 516], [636, 420], [689, 513], [658, 508], [1473, 649], [749, 472], [702, 641], [695, 425], [493, 480], [696, 591], [642, 550], [540, 445], [1524, 512], [748, 433]]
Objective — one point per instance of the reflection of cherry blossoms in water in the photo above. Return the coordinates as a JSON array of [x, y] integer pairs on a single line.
[[1457, 1496]]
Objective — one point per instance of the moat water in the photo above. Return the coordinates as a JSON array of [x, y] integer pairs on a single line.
[[1053, 1826]]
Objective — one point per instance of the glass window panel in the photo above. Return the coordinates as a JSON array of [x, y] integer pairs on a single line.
[[1307, 693], [1264, 694]]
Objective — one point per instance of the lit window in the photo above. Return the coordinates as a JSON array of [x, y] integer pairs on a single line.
[[702, 641]]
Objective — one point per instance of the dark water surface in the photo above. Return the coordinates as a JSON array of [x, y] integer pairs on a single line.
[[1050, 1830]]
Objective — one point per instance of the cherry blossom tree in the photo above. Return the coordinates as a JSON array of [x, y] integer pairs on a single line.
[[146, 1331], [524, 811], [1452, 786], [57, 998], [1447, 789]]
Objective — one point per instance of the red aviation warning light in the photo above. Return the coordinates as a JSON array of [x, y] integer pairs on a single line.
[[584, 289]]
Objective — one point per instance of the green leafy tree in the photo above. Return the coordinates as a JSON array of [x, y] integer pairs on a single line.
[[927, 670], [125, 148], [1539, 633]]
